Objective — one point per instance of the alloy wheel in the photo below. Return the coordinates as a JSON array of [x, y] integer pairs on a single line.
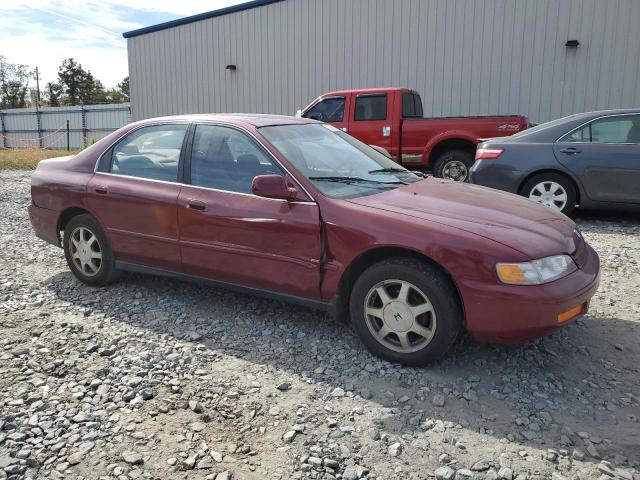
[[549, 193], [86, 252], [455, 170], [400, 316]]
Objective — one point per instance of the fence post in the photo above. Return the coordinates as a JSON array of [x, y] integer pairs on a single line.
[[3, 130], [39, 124], [68, 144], [84, 127]]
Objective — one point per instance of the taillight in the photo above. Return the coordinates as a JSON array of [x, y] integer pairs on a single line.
[[488, 153]]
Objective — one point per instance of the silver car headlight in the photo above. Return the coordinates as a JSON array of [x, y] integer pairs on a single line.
[[536, 272]]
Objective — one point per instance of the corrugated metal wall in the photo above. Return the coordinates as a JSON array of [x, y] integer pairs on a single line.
[[19, 126], [466, 57]]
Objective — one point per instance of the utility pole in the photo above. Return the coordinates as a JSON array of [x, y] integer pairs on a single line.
[[37, 89]]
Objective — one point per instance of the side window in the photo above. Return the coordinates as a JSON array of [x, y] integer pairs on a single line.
[[411, 105], [582, 135], [150, 152], [226, 159], [371, 107], [328, 110], [624, 129]]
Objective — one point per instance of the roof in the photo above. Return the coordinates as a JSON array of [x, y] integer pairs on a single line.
[[254, 119], [198, 17], [367, 90]]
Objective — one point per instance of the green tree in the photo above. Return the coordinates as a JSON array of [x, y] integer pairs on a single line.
[[97, 94], [79, 85], [14, 84], [114, 95], [53, 94], [123, 88]]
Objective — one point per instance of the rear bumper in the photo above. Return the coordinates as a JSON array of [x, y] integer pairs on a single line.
[[514, 315], [496, 174], [45, 224]]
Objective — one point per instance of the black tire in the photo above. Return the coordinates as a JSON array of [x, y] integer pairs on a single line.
[[440, 293], [105, 271], [557, 178], [454, 158]]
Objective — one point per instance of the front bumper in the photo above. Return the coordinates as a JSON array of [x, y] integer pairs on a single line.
[[514, 315], [45, 224]]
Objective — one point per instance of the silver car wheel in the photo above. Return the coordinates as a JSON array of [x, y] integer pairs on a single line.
[[455, 170], [400, 316], [551, 194], [86, 252]]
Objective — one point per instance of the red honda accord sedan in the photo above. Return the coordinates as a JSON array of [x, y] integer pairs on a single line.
[[299, 210]]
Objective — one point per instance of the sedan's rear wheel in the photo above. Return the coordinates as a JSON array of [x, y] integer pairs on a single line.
[[87, 251], [552, 190], [405, 311]]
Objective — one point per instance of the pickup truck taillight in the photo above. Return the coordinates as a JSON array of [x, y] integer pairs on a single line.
[[488, 153]]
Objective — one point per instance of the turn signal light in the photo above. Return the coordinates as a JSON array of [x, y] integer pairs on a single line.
[[569, 314], [488, 153], [511, 273]]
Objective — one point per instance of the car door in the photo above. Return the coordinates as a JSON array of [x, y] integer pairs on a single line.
[[605, 156], [370, 119], [134, 195], [229, 234], [330, 110]]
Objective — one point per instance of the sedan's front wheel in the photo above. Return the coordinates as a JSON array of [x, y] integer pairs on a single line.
[[87, 251], [405, 311]]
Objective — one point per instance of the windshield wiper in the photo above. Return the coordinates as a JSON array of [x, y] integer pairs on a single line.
[[347, 179], [390, 170]]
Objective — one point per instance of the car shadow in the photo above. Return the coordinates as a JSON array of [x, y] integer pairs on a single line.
[[613, 219], [583, 378]]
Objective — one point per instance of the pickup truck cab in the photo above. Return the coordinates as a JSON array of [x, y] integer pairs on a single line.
[[391, 118]]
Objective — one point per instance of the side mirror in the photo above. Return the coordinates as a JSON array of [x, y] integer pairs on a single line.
[[273, 186], [299, 113]]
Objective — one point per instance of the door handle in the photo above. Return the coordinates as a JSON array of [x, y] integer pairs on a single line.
[[101, 190], [570, 150], [197, 205]]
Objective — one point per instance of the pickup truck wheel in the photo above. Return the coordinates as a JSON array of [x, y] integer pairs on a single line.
[[405, 311], [454, 165], [87, 251]]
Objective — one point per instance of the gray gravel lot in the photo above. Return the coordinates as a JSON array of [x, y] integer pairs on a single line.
[[153, 378]]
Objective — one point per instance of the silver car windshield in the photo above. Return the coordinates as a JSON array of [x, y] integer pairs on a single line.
[[337, 164]]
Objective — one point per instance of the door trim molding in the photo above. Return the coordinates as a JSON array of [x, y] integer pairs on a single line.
[[258, 292]]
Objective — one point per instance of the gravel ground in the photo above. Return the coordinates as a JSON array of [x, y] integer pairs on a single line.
[[152, 378]]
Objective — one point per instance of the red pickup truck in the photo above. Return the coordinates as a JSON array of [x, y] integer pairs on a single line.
[[391, 118]]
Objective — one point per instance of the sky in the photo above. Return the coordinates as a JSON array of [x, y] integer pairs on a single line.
[[43, 33]]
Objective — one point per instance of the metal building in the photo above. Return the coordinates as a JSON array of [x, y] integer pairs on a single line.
[[540, 58]]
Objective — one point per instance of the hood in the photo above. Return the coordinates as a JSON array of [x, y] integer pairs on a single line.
[[530, 228]]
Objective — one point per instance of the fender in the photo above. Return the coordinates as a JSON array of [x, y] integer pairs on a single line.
[[441, 137]]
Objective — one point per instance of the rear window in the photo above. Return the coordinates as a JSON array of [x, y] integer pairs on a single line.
[[371, 107], [411, 105]]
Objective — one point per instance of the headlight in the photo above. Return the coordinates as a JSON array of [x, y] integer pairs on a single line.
[[536, 272]]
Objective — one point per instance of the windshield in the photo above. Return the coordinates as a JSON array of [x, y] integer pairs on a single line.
[[337, 164]]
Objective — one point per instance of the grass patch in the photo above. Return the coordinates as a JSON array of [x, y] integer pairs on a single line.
[[27, 158]]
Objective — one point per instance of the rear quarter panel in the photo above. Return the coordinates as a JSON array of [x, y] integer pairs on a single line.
[[422, 135], [519, 162]]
